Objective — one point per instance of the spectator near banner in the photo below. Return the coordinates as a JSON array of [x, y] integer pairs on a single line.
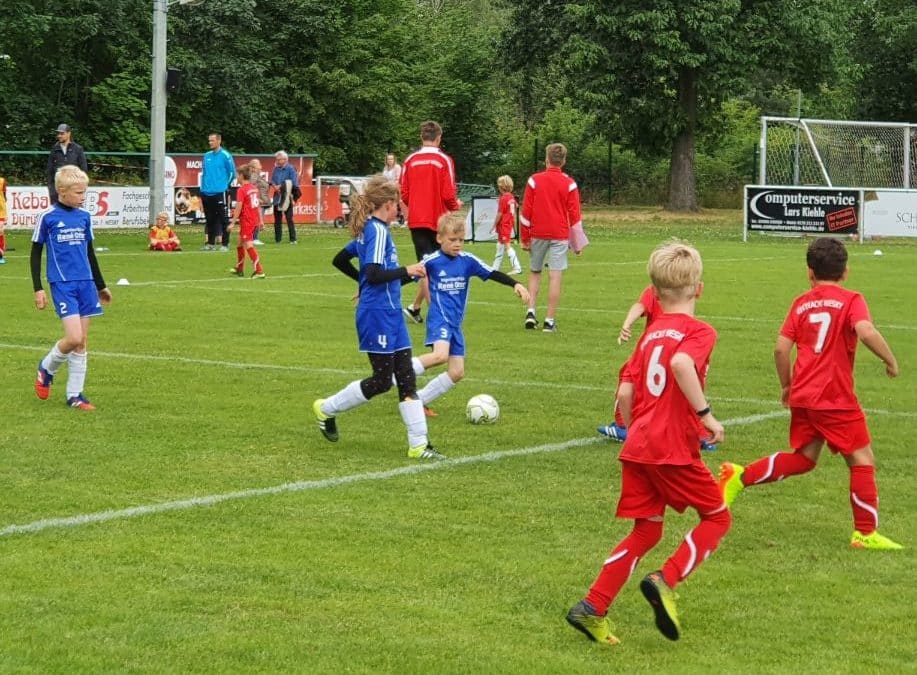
[[218, 171], [65, 152]]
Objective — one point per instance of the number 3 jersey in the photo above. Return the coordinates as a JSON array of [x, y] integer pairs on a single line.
[[822, 323], [663, 428]]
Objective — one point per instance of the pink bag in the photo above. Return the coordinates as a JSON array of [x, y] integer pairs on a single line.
[[578, 240]]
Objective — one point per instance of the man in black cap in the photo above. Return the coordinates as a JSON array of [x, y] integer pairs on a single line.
[[63, 153]]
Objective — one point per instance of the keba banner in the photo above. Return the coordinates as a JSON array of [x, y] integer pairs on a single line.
[[803, 210], [110, 207]]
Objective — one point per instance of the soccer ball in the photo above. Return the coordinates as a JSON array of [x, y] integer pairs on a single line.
[[482, 409]]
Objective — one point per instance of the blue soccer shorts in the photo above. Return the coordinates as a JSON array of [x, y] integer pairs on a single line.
[[76, 298], [382, 331]]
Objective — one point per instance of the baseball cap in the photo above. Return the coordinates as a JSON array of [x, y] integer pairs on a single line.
[[61, 128]]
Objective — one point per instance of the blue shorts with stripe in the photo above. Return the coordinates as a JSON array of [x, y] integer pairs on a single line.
[[382, 331], [76, 298], [439, 330]]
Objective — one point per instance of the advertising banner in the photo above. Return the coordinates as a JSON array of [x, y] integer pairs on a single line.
[[890, 213], [802, 210], [110, 207]]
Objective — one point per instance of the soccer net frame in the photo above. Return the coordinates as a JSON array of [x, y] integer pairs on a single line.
[[834, 153]]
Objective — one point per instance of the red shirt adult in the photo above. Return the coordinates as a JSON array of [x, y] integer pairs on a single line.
[[822, 323], [664, 428], [250, 213], [428, 187], [550, 205], [506, 209]]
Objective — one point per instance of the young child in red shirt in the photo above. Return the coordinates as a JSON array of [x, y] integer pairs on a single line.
[[504, 224], [163, 237], [660, 460], [248, 214], [825, 324]]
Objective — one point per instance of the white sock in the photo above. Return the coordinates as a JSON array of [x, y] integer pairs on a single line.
[[498, 260], [514, 259], [349, 397], [76, 374], [415, 421], [435, 388], [54, 360]]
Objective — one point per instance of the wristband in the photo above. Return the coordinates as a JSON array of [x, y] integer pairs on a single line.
[[704, 412]]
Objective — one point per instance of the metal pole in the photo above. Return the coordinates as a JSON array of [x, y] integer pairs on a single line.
[[158, 110]]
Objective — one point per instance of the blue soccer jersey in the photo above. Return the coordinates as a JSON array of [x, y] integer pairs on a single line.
[[449, 277], [375, 246], [65, 232]]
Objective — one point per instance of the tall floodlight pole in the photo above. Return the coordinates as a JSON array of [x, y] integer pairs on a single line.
[[158, 110]]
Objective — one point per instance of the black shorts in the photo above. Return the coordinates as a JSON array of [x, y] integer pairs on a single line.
[[424, 241]]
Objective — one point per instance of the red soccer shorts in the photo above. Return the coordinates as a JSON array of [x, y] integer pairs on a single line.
[[247, 232], [646, 489], [843, 430]]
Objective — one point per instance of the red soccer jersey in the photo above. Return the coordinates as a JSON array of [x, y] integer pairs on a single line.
[[506, 209], [664, 428], [550, 205], [428, 187], [247, 196], [822, 323]]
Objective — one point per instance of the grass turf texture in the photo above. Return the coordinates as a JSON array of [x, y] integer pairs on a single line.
[[204, 383]]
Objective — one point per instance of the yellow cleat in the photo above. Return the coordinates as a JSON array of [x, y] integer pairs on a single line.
[[730, 481], [873, 542], [662, 599], [597, 628]]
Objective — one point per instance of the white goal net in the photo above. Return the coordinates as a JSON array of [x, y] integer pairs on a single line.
[[834, 153]]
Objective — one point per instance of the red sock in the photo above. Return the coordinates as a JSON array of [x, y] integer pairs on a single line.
[[864, 498], [240, 257], [256, 259], [696, 547], [621, 563], [776, 467], [2, 244]]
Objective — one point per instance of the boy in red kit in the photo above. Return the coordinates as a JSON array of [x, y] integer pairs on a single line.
[[248, 214], [504, 224], [428, 191], [825, 324], [660, 460], [550, 207]]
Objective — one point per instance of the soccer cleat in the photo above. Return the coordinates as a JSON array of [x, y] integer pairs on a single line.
[[236, 271], [730, 481], [326, 423], [873, 542], [43, 382], [516, 270], [79, 401], [549, 326], [662, 600], [614, 432], [707, 446], [258, 275], [425, 452], [531, 323], [429, 412], [597, 628], [413, 314]]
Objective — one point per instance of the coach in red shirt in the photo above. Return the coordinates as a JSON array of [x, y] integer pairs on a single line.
[[550, 207], [428, 191]]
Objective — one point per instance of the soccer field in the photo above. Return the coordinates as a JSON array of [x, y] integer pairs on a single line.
[[197, 521]]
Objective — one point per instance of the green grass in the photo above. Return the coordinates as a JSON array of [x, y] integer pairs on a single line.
[[204, 384]]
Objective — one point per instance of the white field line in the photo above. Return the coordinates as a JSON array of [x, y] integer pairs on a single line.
[[307, 485]]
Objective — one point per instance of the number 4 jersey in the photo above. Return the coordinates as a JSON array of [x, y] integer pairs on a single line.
[[663, 428], [822, 323]]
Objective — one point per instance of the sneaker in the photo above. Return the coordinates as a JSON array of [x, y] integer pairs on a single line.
[[236, 271], [516, 270], [257, 242], [326, 423], [549, 326], [730, 480], [413, 314], [597, 628], [43, 382], [531, 322], [425, 452], [429, 412], [2, 261], [873, 542], [258, 275], [614, 432], [207, 247], [79, 401], [294, 242], [707, 446], [224, 249], [662, 600]]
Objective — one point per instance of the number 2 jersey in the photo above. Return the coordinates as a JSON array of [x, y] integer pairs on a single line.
[[663, 428], [66, 233], [822, 323]]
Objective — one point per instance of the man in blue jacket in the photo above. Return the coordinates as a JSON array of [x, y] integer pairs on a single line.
[[218, 171]]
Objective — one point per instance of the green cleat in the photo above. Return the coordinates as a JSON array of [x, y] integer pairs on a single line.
[[326, 423], [730, 481], [597, 628], [873, 542], [426, 451], [662, 600]]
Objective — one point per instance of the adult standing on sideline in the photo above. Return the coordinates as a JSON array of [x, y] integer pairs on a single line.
[[64, 152], [428, 191], [286, 185], [217, 173], [392, 172]]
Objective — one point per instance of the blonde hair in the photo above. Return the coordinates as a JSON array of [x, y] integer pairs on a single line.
[[505, 184], [556, 154], [450, 223], [163, 214], [378, 191], [246, 171], [675, 268], [69, 176]]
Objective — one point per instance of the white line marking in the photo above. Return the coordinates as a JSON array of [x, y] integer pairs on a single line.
[[302, 486]]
